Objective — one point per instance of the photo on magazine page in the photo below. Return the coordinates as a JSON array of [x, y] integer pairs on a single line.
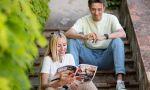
[[67, 68], [86, 72], [70, 69]]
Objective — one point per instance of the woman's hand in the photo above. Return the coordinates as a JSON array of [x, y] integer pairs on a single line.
[[66, 78], [74, 86]]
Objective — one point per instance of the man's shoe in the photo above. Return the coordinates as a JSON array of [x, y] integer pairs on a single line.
[[120, 85]]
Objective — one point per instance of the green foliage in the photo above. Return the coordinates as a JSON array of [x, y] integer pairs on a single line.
[[40, 8], [20, 31], [113, 4]]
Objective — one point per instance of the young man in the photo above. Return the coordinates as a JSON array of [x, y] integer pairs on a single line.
[[95, 39]]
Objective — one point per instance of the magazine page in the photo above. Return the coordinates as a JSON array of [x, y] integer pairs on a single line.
[[83, 73], [86, 72], [67, 68], [70, 69]]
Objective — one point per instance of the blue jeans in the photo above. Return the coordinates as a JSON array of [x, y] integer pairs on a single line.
[[105, 59]]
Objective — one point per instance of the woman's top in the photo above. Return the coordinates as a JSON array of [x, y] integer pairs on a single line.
[[51, 67]]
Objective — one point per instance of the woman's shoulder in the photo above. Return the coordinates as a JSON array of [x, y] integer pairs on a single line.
[[68, 55], [69, 59], [48, 59]]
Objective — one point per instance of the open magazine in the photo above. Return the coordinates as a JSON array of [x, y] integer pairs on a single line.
[[83, 72]]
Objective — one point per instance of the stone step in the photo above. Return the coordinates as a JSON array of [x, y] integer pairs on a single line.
[[112, 84], [129, 69], [126, 42], [104, 80], [113, 88], [34, 82], [38, 61], [47, 32], [111, 78], [108, 85], [42, 50]]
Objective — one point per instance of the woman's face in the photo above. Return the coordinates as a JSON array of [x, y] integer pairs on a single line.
[[61, 46]]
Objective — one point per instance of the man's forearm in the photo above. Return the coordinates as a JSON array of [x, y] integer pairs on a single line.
[[119, 34], [74, 36]]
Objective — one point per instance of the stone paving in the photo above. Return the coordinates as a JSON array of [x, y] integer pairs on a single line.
[[140, 15]]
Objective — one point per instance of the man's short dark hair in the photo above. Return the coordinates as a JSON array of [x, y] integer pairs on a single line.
[[97, 1]]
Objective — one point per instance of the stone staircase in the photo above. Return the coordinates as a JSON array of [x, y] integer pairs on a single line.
[[104, 80]]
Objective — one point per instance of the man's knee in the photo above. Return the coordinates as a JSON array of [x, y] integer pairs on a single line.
[[71, 41], [117, 42], [73, 44]]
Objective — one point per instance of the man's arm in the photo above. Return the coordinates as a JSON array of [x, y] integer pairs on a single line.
[[120, 33], [71, 33]]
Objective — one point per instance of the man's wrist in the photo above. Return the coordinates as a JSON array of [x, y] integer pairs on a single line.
[[106, 36], [81, 36]]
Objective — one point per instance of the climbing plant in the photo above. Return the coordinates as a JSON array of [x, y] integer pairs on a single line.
[[113, 4], [41, 10], [21, 24]]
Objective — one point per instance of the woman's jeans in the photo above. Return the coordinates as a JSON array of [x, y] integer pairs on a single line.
[[113, 56]]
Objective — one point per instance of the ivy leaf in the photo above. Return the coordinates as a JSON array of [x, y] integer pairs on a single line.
[[20, 32]]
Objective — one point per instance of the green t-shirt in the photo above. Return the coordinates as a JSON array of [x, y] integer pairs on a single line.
[[108, 24]]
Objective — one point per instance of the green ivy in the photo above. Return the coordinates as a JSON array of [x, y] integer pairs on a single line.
[[113, 4], [20, 30], [41, 10]]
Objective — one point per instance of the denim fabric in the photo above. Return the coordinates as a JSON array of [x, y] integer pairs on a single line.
[[105, 59]]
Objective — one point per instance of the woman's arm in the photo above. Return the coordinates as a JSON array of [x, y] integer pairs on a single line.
[[46, 84], [65, 78]]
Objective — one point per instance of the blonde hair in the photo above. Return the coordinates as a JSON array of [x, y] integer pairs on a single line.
[[52, 46]]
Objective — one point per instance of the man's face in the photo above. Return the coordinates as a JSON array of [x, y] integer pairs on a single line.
[[97, 10]]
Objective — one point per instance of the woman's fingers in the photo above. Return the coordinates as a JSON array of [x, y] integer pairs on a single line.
[[66, 78], [74, 86]]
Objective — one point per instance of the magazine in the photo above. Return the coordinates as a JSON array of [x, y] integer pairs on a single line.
[[83, 72]]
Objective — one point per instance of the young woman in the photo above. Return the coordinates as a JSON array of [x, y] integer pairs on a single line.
[[56, 57]]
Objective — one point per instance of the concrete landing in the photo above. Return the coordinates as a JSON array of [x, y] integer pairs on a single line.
[[65, 12]]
